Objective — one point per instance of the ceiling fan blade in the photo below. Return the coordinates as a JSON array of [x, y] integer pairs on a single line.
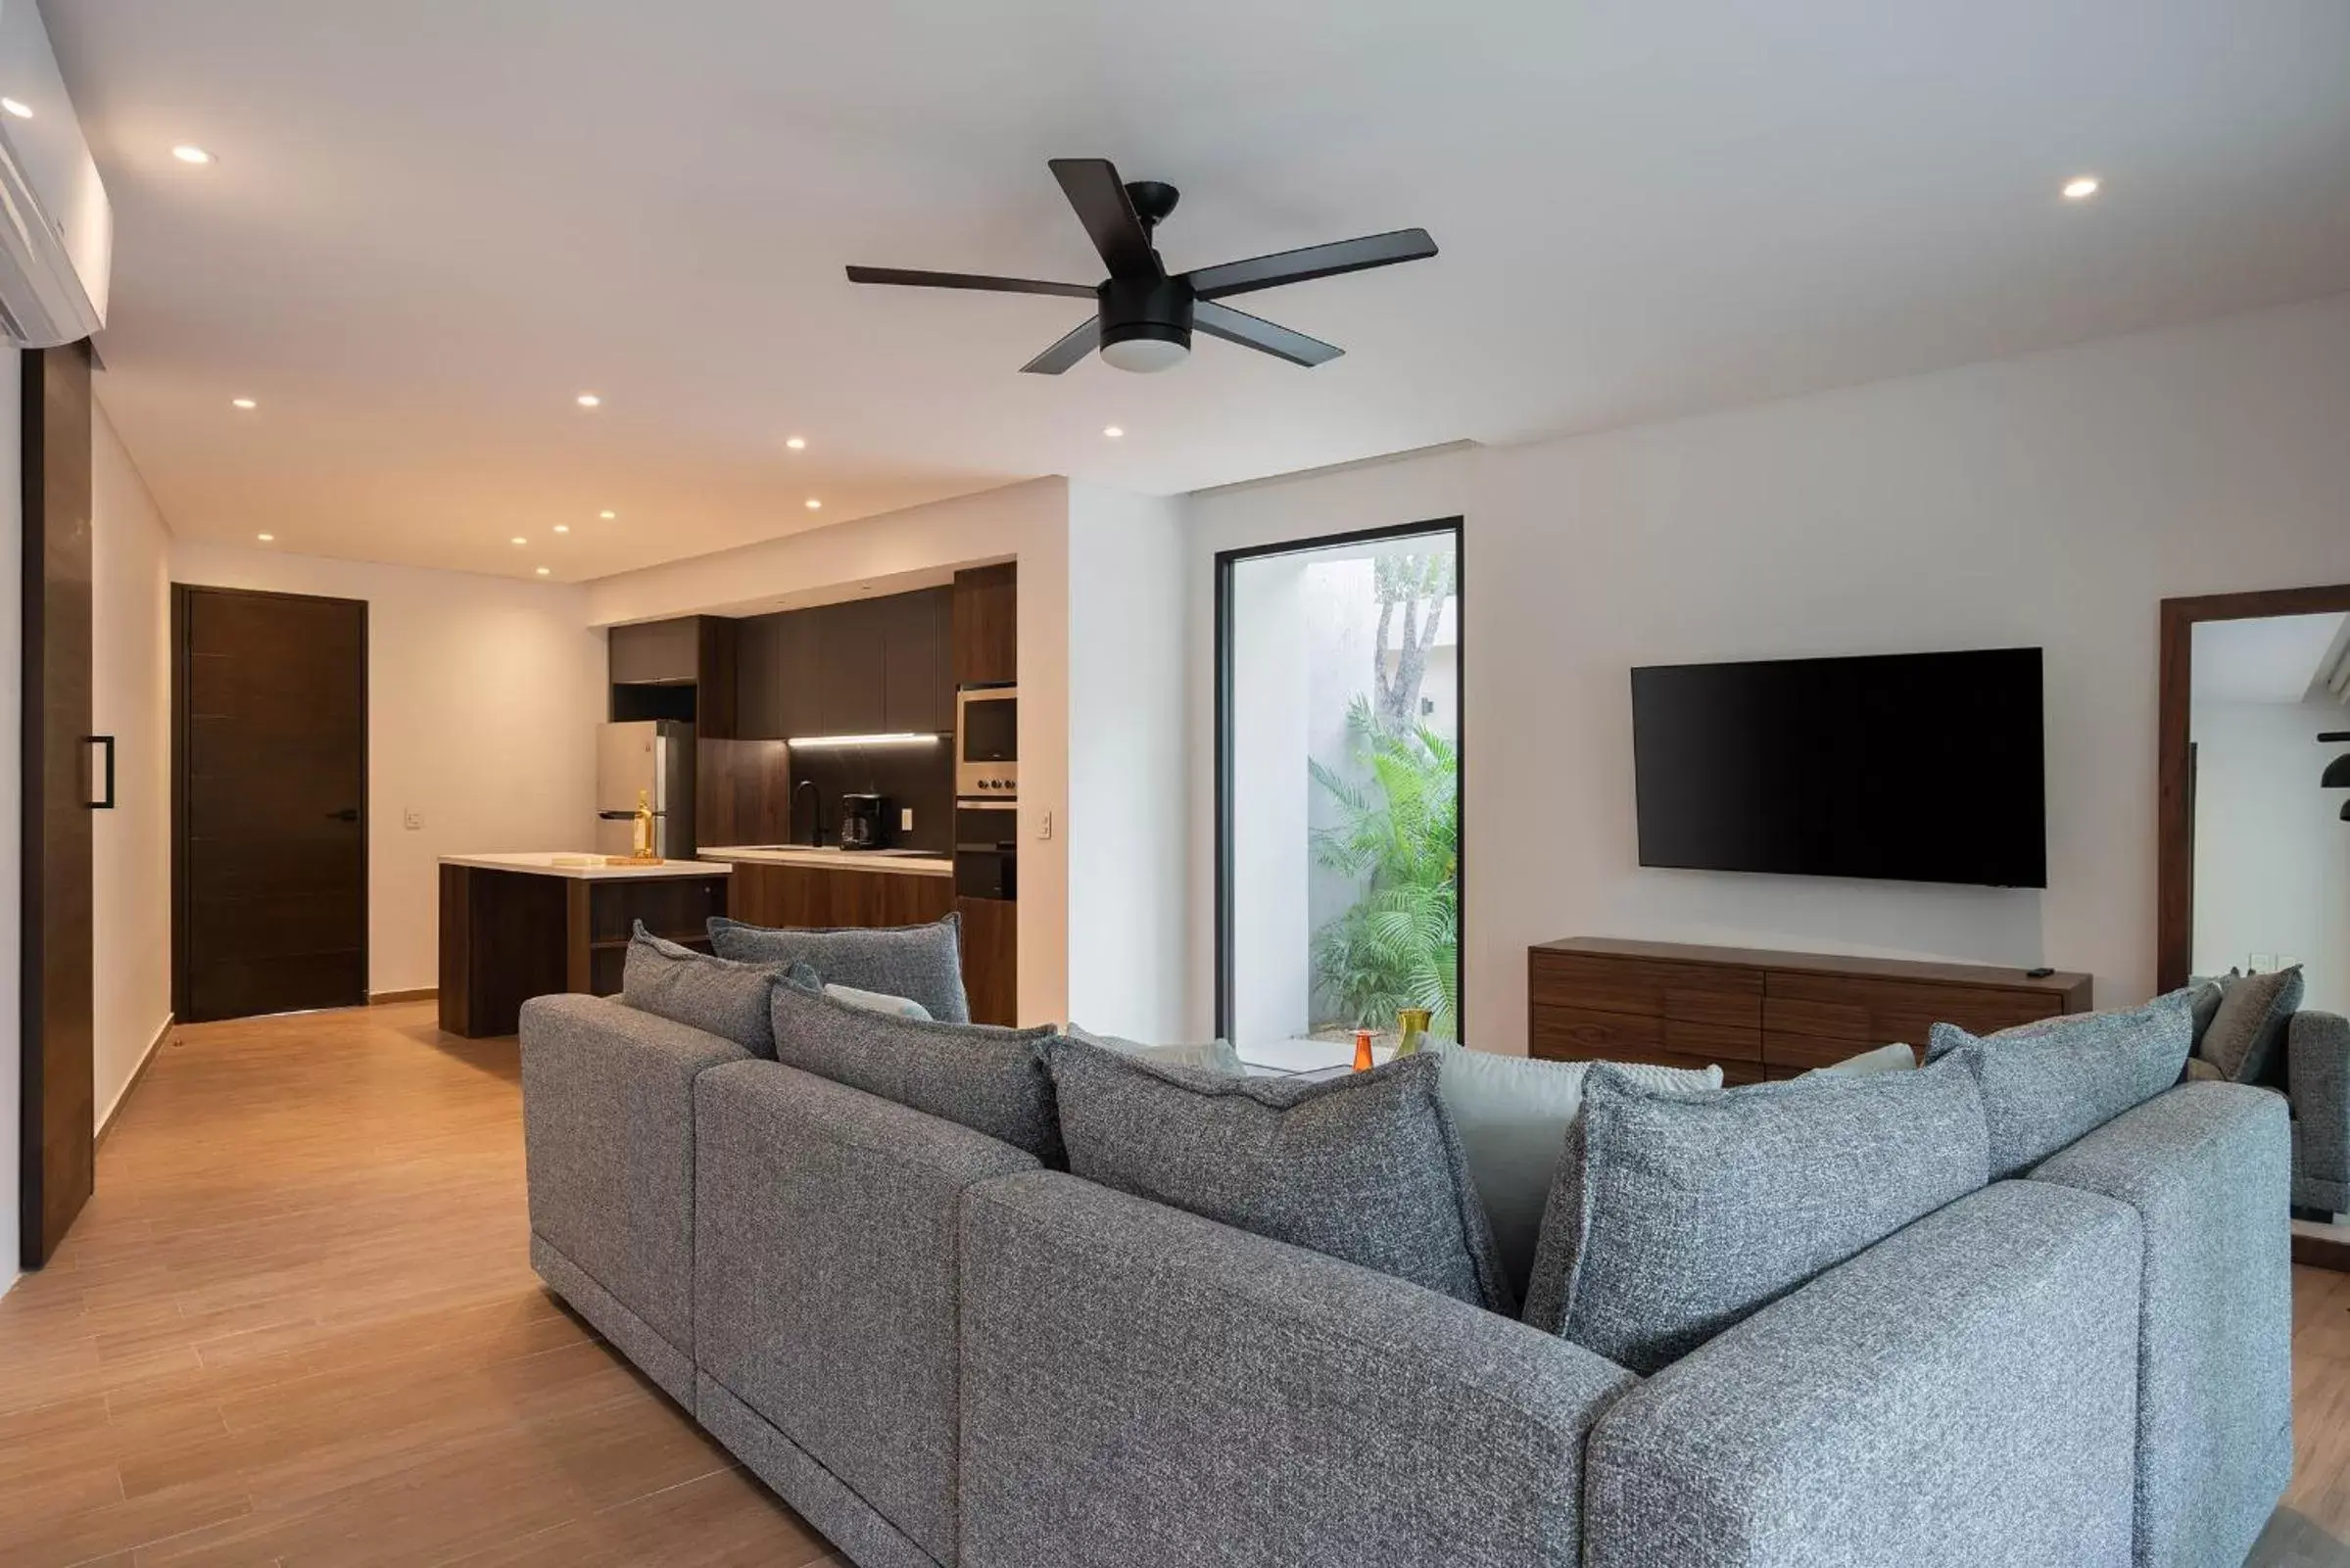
[[1081, 342], [1254, 332], [1314, 261], [1103, 206], [967, 280]]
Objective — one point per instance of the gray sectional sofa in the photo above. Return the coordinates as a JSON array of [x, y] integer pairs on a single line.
[[947, 1355]]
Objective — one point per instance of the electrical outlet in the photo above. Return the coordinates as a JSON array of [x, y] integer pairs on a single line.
[[2261, 964], [2286, 961], [1044, 825], [413, 820], [905, 820]]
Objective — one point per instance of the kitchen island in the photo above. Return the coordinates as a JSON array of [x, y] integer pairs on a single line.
[[514, 926]]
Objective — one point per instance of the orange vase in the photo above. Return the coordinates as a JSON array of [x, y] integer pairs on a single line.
[[1363, 1062]]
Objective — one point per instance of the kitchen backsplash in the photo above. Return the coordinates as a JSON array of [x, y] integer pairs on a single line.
[[916, 778]]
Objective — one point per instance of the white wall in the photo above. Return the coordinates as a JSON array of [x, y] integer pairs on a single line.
[[483, 698], [12, 796], [2052, 500], [130, 672], [1029, 523], [1127, 815], [2272, 851]]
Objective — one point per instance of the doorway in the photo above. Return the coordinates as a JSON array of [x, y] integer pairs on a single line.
[[1338, 796], [2254, 856], [268, 802]]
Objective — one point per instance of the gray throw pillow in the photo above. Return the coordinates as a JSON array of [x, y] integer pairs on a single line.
[[992, 1080], [2047, 1085], [2247, 1029], [1209, 1056], [1675, 1215], [904, 1006], [1513, 1113], [1364, 1166], [1884, 1059], [922, 961], [2207, 992], [715, 995]]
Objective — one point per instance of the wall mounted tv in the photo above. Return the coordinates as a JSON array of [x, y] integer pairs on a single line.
[[1919, 767]]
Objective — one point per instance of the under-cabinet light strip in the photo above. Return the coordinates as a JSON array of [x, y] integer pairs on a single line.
[[863, 740]]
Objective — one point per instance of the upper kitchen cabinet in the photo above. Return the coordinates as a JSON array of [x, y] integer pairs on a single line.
[[918, 689], [676, 669], [986, 625], [849, 649]]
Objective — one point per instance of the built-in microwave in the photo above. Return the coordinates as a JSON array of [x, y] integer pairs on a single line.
[[987, 743]]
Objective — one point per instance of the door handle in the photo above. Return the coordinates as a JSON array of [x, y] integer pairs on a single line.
[[106, 796], [347, 814]]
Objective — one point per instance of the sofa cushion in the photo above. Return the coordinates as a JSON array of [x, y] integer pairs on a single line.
[[1677, 1214], [921, 962], [904, 1006], [989, 1079], [2246, 1034], [1364, 1167], [715, 995], [1884, 1059], [2046, 1084], [1513, 1113], [1209, 1055]]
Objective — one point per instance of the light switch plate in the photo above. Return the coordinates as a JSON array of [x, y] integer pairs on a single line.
[[905, 820], [1044, 825], [413, 820], [2260, 963]]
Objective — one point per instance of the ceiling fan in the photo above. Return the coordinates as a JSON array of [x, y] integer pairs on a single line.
[[1143, 318]]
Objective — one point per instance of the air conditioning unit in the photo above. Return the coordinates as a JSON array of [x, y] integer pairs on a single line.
[[57, 230]]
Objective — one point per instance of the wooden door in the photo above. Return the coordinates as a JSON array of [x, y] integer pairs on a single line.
[[57, 1155], [271, 802]]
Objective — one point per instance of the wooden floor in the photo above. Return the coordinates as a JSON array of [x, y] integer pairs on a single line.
[[296, 1327]]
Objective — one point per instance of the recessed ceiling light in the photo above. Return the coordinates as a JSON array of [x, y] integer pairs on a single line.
[[588, 400], [562, 528], [542, 571], [266, 538], [797, 444], [2081, 188], [519, 539], [813, 503], [1113, 431], [243, 403], [607, 516], [191, 155], [21, 111]]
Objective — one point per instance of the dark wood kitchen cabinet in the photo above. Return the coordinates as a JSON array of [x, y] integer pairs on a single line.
[[874, 666], [918, 690], [986, 625], [848, 657], [677, 669]]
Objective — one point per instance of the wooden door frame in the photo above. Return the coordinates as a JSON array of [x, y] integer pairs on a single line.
[[2175, 806], [180, 592]]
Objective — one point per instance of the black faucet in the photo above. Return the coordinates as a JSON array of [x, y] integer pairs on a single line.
[[815, 816]]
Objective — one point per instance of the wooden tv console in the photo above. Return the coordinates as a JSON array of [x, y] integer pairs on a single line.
[[1763, 1015]]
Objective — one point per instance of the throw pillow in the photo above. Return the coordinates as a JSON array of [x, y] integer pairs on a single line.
[[991, 1080], [1209, 1055], [2248, 1028], [1677, 1214], [715, 995], [2049, 1084], [922, 961], [1364, 1166], [2208, 993], [1513, 1113], [904, 1006], [1884, 1059]]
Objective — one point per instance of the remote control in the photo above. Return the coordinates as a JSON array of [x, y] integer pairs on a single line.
[[2040, 974]]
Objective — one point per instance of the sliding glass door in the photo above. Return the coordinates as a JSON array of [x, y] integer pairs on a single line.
[[1338, 820]]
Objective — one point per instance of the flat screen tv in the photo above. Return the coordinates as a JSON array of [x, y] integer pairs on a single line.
[[1917, 767]]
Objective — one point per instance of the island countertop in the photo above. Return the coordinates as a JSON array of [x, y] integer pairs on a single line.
[[896, 862], [586, 868]]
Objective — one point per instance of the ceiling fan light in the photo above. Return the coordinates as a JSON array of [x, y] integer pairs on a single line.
[[1146, 355], [2337, 774]]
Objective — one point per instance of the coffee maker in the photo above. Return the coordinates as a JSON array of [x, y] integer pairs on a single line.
[[864, 820]]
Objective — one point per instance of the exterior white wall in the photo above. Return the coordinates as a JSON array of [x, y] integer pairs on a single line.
[[2272, 851], [12, 801], [1029, 523], [483, 698], [2051, 499], [130, 672], [1127, 818]]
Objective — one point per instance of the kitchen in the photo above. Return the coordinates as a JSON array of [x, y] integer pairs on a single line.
[[845, 763]]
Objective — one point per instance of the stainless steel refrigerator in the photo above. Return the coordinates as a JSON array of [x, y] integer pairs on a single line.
[[655, 755]]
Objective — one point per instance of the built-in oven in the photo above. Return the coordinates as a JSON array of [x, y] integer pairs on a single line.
[[987, 743], [986, 845]]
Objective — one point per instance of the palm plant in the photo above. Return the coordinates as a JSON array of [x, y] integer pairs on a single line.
[[1398, 834]]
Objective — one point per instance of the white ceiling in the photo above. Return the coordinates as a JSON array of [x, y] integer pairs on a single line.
[[432, 223], [2271, 660]]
